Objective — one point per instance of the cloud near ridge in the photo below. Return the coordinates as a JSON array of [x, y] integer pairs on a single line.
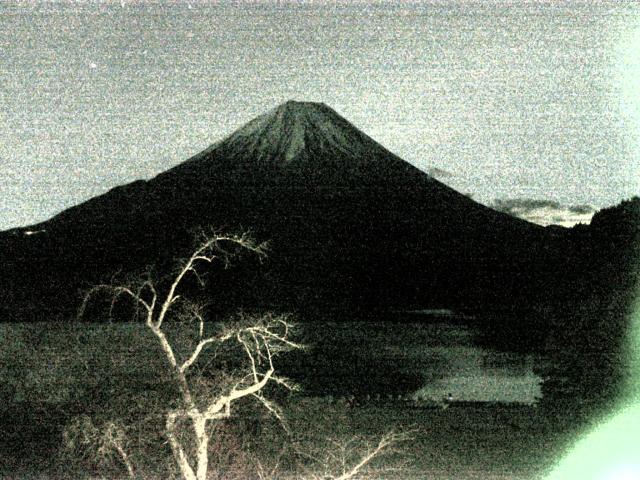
[[544, 212], [439, 173]]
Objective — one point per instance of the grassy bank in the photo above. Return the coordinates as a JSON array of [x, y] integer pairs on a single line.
[[53, 372], [458, 443]]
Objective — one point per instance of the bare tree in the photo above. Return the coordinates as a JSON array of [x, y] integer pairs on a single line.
[[353, 458], [108, 439], [259, 339]]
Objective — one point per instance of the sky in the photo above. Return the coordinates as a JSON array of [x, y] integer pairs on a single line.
[[530, 106]]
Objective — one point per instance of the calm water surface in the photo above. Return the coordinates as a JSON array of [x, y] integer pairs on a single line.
[[444, 354]]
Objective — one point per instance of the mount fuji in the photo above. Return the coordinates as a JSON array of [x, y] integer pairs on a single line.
[[350, 226]]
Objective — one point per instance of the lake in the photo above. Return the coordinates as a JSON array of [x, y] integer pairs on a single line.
[[422, 359], [426, 359]]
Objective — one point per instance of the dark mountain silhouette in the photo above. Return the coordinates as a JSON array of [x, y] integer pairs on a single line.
[[350, 225]]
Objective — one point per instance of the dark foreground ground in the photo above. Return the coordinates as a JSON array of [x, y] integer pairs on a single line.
[[467, 442], [49, 373], [457, 443]]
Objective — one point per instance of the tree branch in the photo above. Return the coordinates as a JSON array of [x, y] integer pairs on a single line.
[[275, 411], [385, 442], [225, 401], [116, 291], [196, 353]]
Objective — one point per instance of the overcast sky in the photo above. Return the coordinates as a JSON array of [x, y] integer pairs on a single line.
[[502, 100]]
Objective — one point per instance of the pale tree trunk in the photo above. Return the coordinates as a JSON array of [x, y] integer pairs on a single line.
[[178, 452], [202, 445]]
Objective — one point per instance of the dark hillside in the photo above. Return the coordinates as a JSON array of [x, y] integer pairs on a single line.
[[588, 320]]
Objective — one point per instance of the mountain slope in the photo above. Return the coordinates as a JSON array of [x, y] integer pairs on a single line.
[[351, 225]]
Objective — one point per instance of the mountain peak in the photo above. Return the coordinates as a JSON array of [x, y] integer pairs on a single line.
[[307, 142], [296, 129], [300, 106]]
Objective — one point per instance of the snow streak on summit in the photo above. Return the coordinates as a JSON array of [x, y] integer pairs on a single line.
[[307, 137], [285, 130]]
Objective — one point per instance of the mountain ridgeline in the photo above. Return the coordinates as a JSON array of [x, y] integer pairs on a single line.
[[350, 226]]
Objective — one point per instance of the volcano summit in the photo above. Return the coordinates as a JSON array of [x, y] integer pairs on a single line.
[[350, 225], [306, 139]]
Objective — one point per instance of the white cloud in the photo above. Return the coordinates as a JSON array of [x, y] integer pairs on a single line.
[[545, 212]]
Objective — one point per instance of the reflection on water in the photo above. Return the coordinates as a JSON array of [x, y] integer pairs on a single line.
[[473, 373], [477, 374], [427, 360]]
